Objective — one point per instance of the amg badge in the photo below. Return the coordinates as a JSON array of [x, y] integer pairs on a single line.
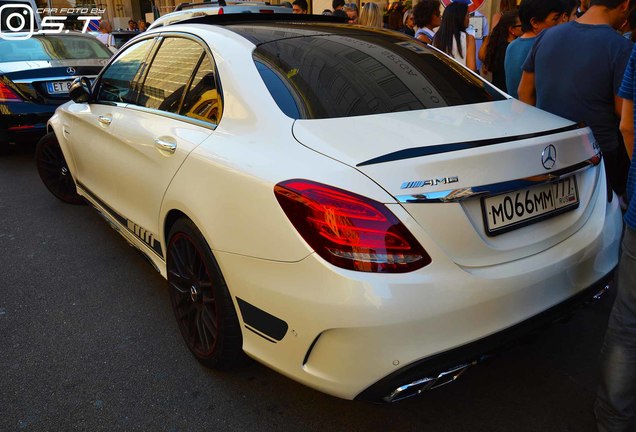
[[430, 182]]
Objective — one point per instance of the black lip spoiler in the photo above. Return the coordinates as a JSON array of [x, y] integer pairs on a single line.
[[445, 148]]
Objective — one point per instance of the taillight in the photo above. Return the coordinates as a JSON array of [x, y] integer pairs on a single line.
[[8, 95], [349, 230], [221, 11]]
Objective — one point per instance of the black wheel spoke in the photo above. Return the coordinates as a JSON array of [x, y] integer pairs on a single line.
[[198, 268], [192, 328], [209, 320], [191, 256], [186, 309], [50, 165], [178, 282], [54, 171], [192, 292], [204, 337], [52, 154], [178, 260]]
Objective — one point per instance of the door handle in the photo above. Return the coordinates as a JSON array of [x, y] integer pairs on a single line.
[[105, 120], [165, 145]]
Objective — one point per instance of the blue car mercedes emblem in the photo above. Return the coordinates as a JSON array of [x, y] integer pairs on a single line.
[[548, 157], [70, 71]]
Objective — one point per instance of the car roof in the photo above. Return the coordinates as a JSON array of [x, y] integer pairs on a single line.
[[207, 4], [264, 28], [214, 9]]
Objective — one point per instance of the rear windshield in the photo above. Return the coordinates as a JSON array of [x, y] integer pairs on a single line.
[[52, 47], [318, 77], [119, 39]]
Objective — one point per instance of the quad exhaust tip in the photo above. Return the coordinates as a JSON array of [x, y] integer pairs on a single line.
[[600, 294], [432, 382], [428, 383]]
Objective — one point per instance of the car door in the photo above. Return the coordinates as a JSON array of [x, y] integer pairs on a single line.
[[91, 128], [143, 140]]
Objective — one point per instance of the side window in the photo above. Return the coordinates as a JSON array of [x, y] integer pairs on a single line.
[[203, 101], [118, 80], [169, 74], [279, 90]]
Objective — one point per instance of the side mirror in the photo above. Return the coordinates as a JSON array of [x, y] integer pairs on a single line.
[[80, 90]]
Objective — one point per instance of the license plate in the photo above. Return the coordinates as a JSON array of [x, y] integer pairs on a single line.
[[58, 87], [513, 210]]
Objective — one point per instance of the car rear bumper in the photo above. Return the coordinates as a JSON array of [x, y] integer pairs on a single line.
[[361, 335], [23, 122], [440, 369]]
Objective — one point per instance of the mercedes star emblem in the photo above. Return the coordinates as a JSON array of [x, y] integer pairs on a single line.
[[548, 157], [70, 71]]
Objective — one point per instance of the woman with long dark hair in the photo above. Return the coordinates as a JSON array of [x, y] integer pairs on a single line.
[[493, 51], [451, 37]]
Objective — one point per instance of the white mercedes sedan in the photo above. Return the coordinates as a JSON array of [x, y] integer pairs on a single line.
[[344, 204]]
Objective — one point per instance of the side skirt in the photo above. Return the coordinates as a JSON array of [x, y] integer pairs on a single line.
[[122, 226]]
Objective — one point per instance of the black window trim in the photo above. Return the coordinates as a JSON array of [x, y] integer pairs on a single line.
[[98, 80], [300, 106], [206, 51], [147, 62]]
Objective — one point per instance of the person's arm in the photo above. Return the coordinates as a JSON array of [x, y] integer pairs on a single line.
[[424, 38], [627, 125], [495, 20], [483, 49], [471, 53], [618, 106], [526, 90]]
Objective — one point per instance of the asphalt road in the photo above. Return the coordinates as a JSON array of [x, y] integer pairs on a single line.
[[88, 342]]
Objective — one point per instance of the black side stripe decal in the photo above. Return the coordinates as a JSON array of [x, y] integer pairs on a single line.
[[143, 235], [446, 148], [262, 322]]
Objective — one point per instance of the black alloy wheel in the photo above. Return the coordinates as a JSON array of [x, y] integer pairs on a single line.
[[200, 300], [54, 172]]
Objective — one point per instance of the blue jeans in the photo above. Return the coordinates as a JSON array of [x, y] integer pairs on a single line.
[[614, 406]]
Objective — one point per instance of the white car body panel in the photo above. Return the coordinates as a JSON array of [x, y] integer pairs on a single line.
[[348, 329], [217, 161], [432, 128], [367, 324], [422, 128]]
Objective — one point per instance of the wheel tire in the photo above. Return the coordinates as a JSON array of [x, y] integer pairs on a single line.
[[54, 172], [200, 299]]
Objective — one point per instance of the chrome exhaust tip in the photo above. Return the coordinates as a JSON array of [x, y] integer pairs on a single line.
[[428, 383], [600, 294]]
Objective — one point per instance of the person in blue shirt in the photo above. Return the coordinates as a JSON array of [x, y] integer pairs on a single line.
[[614, 407], [535, 16], [574, 71]]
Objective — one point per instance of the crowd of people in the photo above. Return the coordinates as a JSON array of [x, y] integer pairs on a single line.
[[105, 30]]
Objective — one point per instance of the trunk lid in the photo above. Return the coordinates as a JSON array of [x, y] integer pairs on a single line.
[[42, 81], [487, 149]]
